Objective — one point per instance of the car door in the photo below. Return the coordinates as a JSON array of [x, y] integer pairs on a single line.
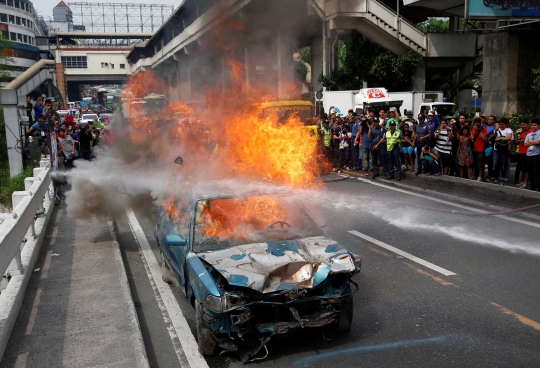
[[175, 254]]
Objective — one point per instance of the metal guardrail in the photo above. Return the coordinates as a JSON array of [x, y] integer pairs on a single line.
[[17, 225]]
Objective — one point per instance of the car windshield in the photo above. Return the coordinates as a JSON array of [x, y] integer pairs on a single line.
[[225, 223], [89, 117], [446, 110]]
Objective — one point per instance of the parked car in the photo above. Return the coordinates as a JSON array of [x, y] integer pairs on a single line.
[[87, 118], [254, 267]]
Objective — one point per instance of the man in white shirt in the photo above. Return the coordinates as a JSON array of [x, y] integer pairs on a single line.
[[501, 151]]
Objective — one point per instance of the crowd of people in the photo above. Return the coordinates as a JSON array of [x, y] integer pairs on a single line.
[[478, 149], [73, 141]]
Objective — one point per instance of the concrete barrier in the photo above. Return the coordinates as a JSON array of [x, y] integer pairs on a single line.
[[21, 236]]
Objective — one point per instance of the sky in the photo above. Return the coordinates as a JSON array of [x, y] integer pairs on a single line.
[[45, 7]]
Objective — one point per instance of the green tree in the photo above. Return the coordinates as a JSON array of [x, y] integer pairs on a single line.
[[536, 81], [366, 61], [452, 85], [6, 62], [434, 25]]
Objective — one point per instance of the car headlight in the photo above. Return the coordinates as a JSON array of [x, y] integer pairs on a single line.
[[224, 303]]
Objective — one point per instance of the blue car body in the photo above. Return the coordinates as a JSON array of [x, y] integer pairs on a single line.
[[262, 288]]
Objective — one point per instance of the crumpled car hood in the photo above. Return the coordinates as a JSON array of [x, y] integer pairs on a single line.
[[272, 266]]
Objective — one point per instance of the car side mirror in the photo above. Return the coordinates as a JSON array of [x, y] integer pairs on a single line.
[[175, 240]]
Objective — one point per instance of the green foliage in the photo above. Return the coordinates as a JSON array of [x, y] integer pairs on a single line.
[[434, 25], [305, 55], [362, 60], [6, 62], [452, 85], [515, 119], [10, 185], [98, 124], [536, 81], [300, 70]]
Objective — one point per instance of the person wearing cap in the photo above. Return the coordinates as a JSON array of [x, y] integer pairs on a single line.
[[363, 134], [394, 116], [392, 138], [408, 120], [421, 138], [432, 123]]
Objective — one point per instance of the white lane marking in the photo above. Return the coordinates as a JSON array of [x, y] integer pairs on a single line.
[[166, 301], [424, 263], [524, 222]]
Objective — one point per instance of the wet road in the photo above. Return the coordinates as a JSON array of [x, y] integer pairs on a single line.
[[437, 288]]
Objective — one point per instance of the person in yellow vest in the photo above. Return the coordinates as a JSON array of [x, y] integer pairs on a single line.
[[393, 138], [326, 136]]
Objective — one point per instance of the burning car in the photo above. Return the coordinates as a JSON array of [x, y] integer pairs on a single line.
[[254, 267]]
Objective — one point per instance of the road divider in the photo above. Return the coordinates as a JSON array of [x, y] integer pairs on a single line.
[[409, 256]]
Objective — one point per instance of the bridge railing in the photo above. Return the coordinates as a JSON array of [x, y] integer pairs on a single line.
[[21, 234]]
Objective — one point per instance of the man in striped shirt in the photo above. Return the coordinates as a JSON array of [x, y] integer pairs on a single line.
[[443, 138]]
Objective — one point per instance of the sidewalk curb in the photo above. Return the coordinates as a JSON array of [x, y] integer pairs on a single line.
[[341, 178], [137, 340], [451, 197], [12, 297]]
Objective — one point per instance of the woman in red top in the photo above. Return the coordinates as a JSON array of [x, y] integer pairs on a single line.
[[521, 166], [478, 137]]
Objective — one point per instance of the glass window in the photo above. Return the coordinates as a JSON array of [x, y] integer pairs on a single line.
[[122, 66], [27, 7], [10, 2], [12, 19], [18, 20], [2, 2], [79, 62], [23, 21], [19, 37], [5, 35], [13, 36], [17, 4], [3, 17], [25, 38]]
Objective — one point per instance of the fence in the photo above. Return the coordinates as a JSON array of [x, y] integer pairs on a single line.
[[21, 234]]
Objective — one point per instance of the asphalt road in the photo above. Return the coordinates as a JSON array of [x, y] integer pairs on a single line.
[[407, 313]]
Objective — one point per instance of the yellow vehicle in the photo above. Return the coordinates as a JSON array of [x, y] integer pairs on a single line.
[[284, 109]]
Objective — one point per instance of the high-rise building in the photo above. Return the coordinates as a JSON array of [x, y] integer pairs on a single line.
[[19, 23]]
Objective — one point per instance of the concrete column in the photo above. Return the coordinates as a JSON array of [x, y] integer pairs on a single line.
[[501, 52], [50, 88], [285, 61], [464, 97], [8, 99], [184, 78], [246, 65], [419, 77], [60, 80], [316, 62]]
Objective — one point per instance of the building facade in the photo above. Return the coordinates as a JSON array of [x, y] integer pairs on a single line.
[[20, 25]]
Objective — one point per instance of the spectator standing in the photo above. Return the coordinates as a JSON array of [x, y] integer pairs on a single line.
[[501, 150], [532, 142], [344, 137], [29, 108], [393, 139], [85, 142], [326, 135], [490, 128], [521, 167], [68, 148], [354, 128], [408, 146], [378, 151], [479, 136], [394, 117], [38, 108], [465, 152], [421, 138], [366, 144], [336, 139], [443, 145], [75, 137]]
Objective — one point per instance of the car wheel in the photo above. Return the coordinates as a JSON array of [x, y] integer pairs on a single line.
[[166, 273], [344, 319], [206, 341]]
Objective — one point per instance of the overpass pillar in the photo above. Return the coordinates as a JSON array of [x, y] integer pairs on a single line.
[[285, 61], [184, 78], [316, 62], [464, 97], [419, 77], [9, 101], [508, 63]]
